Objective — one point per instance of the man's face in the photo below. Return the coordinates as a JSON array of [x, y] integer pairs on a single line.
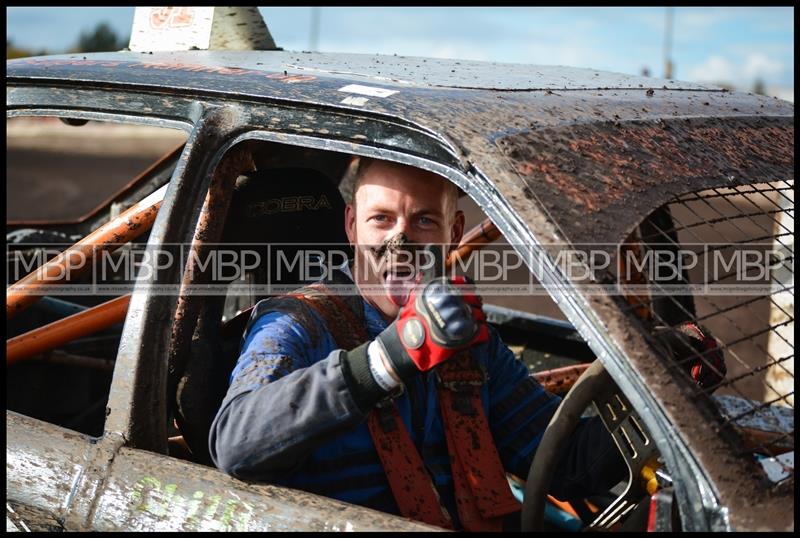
[[397, 208]]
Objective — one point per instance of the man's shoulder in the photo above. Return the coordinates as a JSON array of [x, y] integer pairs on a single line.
[[314, 308], [285, 325], [284, 310]]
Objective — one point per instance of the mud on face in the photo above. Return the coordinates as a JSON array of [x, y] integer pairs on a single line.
[[402, 253]]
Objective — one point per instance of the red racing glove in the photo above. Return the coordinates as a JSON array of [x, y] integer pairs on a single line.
[[694, 347], [440, 318]]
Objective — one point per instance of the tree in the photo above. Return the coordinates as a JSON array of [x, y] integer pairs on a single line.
[[12, 51], [759, 88], [102, 39]]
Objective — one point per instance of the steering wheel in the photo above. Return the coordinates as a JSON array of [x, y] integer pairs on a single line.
[[634, 443]]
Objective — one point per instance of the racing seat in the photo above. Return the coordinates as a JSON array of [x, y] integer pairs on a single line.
[[288, 216], [283, 215]]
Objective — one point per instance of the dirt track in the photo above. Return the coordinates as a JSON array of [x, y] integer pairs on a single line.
[[30, 182], [56, 171]]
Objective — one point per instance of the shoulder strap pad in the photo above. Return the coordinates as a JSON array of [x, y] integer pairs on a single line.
[[342, 316]]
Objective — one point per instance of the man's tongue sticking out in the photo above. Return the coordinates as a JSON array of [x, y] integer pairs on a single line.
[[399, 286]]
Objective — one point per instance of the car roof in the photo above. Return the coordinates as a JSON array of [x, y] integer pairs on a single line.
[[408, 71]]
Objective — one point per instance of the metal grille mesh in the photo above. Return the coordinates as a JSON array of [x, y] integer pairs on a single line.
[[740, 289]]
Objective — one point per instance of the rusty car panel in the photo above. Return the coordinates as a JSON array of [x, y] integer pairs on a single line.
[[588, 178], [89, 485]]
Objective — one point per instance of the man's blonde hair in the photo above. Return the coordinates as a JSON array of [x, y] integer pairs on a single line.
[[357, 170]]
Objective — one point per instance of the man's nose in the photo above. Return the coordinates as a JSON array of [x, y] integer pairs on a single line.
[[402, 226]]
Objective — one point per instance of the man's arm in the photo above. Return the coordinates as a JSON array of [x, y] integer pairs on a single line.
[[519, 412], [282, 402]]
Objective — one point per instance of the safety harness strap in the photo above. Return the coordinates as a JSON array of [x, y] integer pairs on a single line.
[[348, 329], [410, 483], [411, 486], [482, 492], [483, 495]]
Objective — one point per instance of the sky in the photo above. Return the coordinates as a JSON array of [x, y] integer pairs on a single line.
[[733, 45]]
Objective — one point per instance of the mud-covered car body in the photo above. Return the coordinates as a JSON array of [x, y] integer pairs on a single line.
[[554, 156]]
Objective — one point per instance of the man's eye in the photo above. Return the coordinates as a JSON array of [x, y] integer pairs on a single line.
[[425, 221], [380, 218]]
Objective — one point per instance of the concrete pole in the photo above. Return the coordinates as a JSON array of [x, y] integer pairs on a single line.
[[668, 44], [313, 45], [780, 343]]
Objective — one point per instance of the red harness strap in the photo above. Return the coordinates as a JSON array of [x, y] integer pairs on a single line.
[[411, 486], [483, 495], [410, 483]]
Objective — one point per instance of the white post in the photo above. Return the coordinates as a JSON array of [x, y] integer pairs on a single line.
[[780, 343]]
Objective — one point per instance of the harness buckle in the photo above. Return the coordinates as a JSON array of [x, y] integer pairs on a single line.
[[386, 418], [462, 399], [463, 379], [458, 377]]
